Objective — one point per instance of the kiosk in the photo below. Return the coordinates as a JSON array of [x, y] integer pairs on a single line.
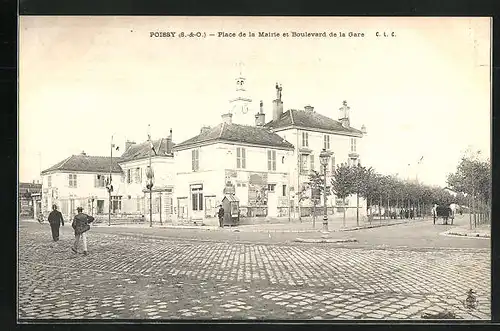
[[231, 207]]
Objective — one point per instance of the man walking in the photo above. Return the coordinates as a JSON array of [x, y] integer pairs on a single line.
[[55, 221], [221, 216], [81, 226]]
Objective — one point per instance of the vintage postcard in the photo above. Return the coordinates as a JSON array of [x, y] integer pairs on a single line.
[[254, 168]]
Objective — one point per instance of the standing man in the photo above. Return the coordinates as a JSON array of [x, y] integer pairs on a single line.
[[81, 226], [221, 216], [55, 221]]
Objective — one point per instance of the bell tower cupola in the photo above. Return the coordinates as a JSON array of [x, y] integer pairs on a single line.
[[240, 104]]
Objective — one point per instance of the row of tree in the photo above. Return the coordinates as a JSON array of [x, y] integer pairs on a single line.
[[471, 181], [473, 177]]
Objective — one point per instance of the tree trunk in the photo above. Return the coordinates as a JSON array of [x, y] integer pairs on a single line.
[[314, 215], [369, 207], [469, 207], [397, 206], [357, 209], [388, 210], [380, 208], [343, 202], [474, 209]]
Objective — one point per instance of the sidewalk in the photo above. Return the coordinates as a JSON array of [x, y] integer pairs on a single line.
[[273, 225], [282, 226], [481, 232]]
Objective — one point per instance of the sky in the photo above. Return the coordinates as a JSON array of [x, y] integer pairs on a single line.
[[424, 92]]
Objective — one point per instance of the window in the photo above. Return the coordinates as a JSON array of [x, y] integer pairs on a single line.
[[326, 142], [312, 162], [49, 181], [284, 190], [303, 163], [138, 175], [271, 187], [271, 160], [129, 176], [72, 180], [240, 158], [99, 181], [156, 205], [305, 139], [195, 159], [116, 204], [332, 160], [197, 197], [139, 202], [353, 144]]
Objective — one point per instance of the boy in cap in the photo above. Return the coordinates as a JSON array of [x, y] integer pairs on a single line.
[[81, 226]]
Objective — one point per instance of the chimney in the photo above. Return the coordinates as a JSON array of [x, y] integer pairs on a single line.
[[227, 118], [309, 108], [169, 143], [204, 128], [344, 115], [129, 143], [260, 117], [363, 129], [277, 104], [83, 153]]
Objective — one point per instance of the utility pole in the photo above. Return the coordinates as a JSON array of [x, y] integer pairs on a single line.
[[109, 182]]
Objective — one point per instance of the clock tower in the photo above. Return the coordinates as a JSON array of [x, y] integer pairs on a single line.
[[240, 104]]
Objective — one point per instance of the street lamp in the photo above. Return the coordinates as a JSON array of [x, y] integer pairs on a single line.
[[324, 158], [149, 185]]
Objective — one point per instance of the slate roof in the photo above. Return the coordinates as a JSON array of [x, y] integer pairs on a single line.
[[239, 134], [309, 119], [30, 187], [86, 163], [163, 147]]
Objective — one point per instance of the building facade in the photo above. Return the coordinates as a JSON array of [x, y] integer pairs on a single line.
[[311, 132], [29, 200], [253, 160], [134, 163], [80, 181]]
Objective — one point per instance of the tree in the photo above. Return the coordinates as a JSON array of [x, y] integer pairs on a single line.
[[316, 182], [361, 177], [473, 177], [343, 183]]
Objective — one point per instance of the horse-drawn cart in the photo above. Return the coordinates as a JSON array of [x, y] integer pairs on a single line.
[[443, 212]]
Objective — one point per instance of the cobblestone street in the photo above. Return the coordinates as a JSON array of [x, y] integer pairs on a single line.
[[162, 278]]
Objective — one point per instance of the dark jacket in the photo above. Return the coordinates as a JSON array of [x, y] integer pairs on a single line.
[[81, 223], [56, 218], [220, 214]]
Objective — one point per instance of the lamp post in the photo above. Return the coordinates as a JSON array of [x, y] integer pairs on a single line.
[[150, 176], [324, 157], [109, 186]]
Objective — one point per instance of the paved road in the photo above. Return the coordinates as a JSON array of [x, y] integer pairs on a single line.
[[135, 276], [412, 235]]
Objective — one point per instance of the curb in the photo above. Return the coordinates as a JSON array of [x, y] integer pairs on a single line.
[[329, 241], [466, 235]]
